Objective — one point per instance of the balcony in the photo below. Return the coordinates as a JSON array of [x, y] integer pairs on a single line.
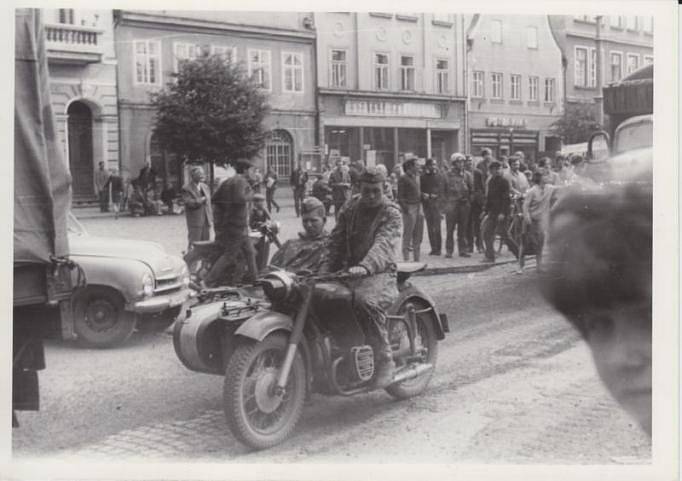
[[73, 44]]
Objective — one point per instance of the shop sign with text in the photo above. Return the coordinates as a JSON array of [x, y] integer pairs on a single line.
[[504, 122], [381, 108]]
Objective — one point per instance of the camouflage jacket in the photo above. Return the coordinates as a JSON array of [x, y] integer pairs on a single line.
[[304, 253], [367, 237]]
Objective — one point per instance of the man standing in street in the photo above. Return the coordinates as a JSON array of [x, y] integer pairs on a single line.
[[477, 202], [365, 243], [496, 209], [197, 200], [517, 179], [458, 189], [536, 213], [101, 177], [298, 182], [409, 199], [231, 214], [339, 181], [354, 170], [432, 188], [115, 183], [484, 164]]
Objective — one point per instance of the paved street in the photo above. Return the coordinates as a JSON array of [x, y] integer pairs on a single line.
[[513, 384]]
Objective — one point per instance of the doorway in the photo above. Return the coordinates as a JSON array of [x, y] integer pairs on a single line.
[[81, 149]]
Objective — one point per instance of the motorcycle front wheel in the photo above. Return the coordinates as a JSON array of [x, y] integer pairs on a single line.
[[255, 414]]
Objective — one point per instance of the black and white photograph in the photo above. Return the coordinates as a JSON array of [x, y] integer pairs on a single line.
[[279, 238]]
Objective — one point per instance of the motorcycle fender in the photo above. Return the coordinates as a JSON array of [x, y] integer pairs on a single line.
[[264, 323], [411, 294]]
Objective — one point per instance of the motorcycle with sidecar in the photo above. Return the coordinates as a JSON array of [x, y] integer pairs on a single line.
[[293, 334]]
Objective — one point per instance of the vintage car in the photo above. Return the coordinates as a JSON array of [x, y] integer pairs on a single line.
[[130, 284]]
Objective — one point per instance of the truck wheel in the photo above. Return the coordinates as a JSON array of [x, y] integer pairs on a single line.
[[100, 320], [255, 414]]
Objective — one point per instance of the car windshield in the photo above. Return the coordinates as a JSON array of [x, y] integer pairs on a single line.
[[73, 226]]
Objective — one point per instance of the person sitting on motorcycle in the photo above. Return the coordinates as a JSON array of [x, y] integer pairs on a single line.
[[365, 242], [230, 212], [258, 219], [308, 251]]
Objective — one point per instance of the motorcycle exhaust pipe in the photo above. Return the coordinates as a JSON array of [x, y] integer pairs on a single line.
[[411, 372]]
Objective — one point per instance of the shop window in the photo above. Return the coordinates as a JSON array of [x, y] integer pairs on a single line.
[[533, 85], [477, 90], [339, 68], [442, 76], [407, 73], [259, 68], [147, 62], [279, 150], [381, 71], [616, 66]]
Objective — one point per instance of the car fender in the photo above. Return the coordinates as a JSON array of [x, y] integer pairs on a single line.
[[123, 275], [260, 325], [410, 293]]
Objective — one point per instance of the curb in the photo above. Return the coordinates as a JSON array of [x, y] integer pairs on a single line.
[[435, 271]]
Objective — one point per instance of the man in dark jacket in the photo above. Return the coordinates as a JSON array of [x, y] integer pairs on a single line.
[[298, 182], [432, 187], [340, 183], [496, 208], [197, 200], [231, 218], [409, 199], [458, 188]]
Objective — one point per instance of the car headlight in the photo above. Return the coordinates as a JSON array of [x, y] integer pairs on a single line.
[[148, 285], [184, 276]]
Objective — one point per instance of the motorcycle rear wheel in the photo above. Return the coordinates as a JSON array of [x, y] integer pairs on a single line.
[[413, 387], [255, 415]]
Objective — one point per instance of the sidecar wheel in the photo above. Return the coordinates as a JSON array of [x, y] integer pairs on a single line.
[[255, 414], [413, 387]]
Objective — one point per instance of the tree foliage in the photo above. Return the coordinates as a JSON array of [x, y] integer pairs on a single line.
[[210, 112], [577, 123]]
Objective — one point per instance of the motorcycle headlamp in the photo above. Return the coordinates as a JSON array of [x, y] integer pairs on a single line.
[[277, 286]]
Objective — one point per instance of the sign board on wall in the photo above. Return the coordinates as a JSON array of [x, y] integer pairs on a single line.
[[385, 108], [505, 122]]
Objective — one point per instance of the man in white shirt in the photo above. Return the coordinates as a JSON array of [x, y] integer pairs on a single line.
[[536, 212]]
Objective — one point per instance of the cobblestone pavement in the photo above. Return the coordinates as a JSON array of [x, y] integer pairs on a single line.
[[513, 384]]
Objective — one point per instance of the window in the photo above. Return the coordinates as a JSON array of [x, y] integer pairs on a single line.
[[292, 68], [147, 62], [228, 54], [259, 68], [585, 18], [515, 82], [184, 51], [442, 76], [406, 72], [66, 16], [496, 31], [648, 59], [649, 24], [279, 148], [616, 66], [477, 89], [381, 71], [497, 85], [616, 21], [580, 70], [593, 67], [633, 62], [632, 22], [339, 68], [550, 86], [532, 37], [533, 85]]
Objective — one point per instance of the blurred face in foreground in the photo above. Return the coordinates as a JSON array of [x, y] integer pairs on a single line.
[[313, 223], [371, 194]]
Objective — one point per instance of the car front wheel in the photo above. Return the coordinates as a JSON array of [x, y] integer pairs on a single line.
[[100, 319]]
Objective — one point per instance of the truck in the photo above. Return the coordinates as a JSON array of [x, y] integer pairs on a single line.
[[44, 276], [630, 106]]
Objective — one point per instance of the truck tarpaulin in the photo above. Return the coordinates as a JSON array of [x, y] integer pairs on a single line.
[[42, 183]]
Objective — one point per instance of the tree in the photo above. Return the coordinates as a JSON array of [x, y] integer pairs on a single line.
[[210, 112], [577, 123]]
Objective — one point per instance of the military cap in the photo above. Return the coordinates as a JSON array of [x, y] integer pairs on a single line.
[[311, 205], [372, 175]]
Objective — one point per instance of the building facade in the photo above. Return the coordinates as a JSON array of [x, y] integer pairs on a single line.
[[599, 50], [82, 68], [515, 88], [390, 84], [276, 48]]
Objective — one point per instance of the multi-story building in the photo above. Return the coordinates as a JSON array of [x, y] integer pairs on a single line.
[[599, 50], [82, 68], [390, 84], [515, 91], [276, 48]]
